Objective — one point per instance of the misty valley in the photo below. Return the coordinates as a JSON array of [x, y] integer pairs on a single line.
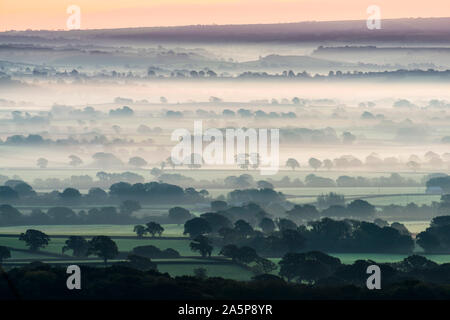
[[354, 129]]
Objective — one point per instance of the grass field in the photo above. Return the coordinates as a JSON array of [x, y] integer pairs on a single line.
[[225, 271], [349, 258], [55, 245], [170, 230]]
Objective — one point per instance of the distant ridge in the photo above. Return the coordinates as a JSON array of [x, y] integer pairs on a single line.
[[433, 30]]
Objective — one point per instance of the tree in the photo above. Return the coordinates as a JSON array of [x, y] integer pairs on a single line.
[[156, 172], [230, 251], [267, 225], [286, 224], [292, 163], [137, 162], [196, 227], [103, 247], [154, 228], [5, 253], [328, 164], [171, 163], [292, 240], [306, 212], [361, 208], [24, 190], [70, 195], [216, 221], [34, 239], [243, 228], [141, 263], [79, 245], [218, 205], [9, 215], [262, 184], [203, 245], [129, 206], [140, 230], [348, 138], [315, 163], [413, 165], [263, 266], [309, 266], [330, 199], [42, 163], [75, 161], [200, 273], [246, 255], [179, 215]]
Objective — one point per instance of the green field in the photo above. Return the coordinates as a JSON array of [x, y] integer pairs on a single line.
[[170, 230], [55, 245], [225, 271]]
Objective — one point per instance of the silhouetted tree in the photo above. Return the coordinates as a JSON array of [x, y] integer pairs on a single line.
[[140, 230], [79, 245], [315, 163], [196, 227], [103, 247], [154, 228], [179, 215], [292, 163], [267, 225], [34, 239], [42, 163], [203, 245], [75, 161]]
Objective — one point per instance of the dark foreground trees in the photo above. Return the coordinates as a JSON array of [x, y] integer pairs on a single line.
[[309, 266], [414, 279]]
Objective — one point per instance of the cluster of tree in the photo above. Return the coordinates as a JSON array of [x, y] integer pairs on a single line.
[[37, 140], [261, 196], [435, 239], [242, 113], [65, 215], [151, 228], [125, 111], [441, 182], [306, 135], [349, 75], [238, 226], [16, 191], [245, 181], [101, 246], [318, 268], [371, 161], [153, 252], [155, 192], [412, 210], [104, 180]]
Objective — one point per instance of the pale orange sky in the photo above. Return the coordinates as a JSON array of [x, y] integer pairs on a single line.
[[51, 14]]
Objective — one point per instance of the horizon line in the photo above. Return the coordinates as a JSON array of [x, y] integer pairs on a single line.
[[216, 25]]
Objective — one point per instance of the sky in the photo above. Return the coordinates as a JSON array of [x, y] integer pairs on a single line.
[[97, 14]]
